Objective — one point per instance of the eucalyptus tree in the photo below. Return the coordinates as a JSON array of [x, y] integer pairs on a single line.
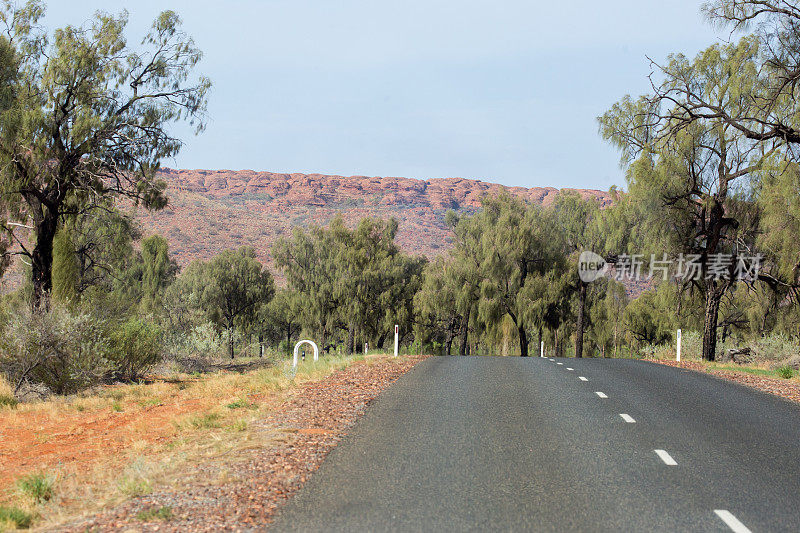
[[310, 261], [466, 267], [277, 319], [379, 281], [515, 245], [435, 303], [236, 287], [695, 176], [779, 203], [577, 220], [772, 114], [157, 271], [84, 117]]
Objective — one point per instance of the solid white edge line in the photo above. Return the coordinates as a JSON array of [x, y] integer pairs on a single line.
[[582, 378], [731, 521], [627, 418], [601, 394], [667, 458]]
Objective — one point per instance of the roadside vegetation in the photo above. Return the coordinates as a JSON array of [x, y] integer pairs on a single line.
[[105, 326], [105, 455]]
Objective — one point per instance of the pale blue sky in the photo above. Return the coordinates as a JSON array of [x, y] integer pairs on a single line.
[[504, 91]]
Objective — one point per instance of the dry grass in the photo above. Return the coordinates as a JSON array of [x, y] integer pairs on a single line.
[[162, 427], [7, 399]]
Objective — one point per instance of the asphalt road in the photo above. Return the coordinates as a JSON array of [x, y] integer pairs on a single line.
[[513, 444]]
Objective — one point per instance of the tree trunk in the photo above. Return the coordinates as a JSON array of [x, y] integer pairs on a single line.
[[351, 339], [230, 341], [713, 298], [448, 338], [261, 345], [42, 261], [539, 347], [464, 334], [523, 341], [555, 342], [580, 325]]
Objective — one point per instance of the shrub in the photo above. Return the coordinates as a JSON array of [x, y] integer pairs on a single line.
[[38, 487], [60, 349], [135, 346], [134, 485], [16, 517], [159, 513], [786, 372]]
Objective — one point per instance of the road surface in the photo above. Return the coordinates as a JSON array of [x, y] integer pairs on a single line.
[[533, 444]]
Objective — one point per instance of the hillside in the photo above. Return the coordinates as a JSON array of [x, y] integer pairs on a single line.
[[211, 210]]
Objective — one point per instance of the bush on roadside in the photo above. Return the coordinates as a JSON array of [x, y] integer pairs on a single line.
[[14, 517], [38, 487], [135, 346], [61, 349], [786, 372]]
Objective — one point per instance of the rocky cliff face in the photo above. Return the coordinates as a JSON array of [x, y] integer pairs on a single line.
[[322, 191], [211, 210]]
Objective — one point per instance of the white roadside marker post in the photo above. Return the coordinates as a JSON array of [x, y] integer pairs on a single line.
[[678, 350], [541, 350], [297, 349], [366, 348], [396, 338]]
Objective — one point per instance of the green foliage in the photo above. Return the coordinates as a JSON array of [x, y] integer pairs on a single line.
[[786, 372], [66, 270], [158, 272], [16, 517], [8, 401], [134, 485], [352, 280], [241, 403], [646, 322], [38, 487], [70, 154], [156, 513], [64, 350], [205, 421], [134, 346], [236, 288]]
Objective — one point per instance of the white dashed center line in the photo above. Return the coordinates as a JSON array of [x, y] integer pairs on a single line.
[[559, 363], [552, 359], [667, 458], [582, 378], [731, 521], [568, 368], [627, 418], [601, 394]]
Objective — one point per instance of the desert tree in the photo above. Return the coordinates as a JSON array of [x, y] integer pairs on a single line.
[[236, 287], [577, 220], [772, 113], [695, 176], [84, 118], [435, 303]]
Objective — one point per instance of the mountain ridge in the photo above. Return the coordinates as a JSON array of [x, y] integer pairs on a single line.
[[212, 210]]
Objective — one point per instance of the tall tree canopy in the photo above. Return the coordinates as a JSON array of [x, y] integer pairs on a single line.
[[84, 117], [695, 175]]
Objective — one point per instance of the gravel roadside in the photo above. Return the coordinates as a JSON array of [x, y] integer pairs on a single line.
[[788, 389], [243, 493]]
